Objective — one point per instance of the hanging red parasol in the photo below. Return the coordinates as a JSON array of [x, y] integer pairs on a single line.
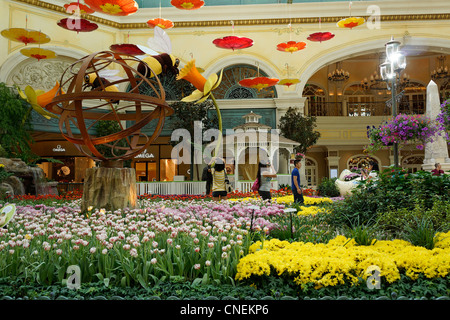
[[291, 46], [78, 25], [320, 36], [113, 7], [258, 82], [127, 48], [159, 22], [233, 42], [187, 4]]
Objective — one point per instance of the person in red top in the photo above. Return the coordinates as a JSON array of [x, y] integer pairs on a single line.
[[437, 171]]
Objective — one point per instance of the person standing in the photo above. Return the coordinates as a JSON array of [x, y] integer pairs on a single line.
[[265, 175], [206, 176], [437, 171], [219, 191], [295, 182]]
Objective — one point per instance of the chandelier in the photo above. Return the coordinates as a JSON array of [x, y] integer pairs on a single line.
[[338, 75], [441, 72]]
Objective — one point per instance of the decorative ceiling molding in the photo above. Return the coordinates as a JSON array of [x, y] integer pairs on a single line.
[[241, 22]]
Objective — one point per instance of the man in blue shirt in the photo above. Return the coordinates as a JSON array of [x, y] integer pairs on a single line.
[[295, 182]]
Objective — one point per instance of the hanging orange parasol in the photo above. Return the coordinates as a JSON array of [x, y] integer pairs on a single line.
[[25, 36], [78, 25], [291, 46], [159, 22], [113, 7], [258, 82], [38, 53], [187, 4], [73, 6], [127, 48]]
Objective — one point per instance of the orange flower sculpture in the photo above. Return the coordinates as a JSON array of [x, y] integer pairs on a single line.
[[159, 22], [187, 4], [113, 7], [291, 46], [38, 53], [350, 22], [38, 99], [258, 82], [73, 6], [204, 86], [25, 36]]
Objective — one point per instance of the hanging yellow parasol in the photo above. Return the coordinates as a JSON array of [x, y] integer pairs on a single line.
[[25, 36]]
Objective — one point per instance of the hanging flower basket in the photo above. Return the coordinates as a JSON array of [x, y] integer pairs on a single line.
[[403, 129], [443, 119]]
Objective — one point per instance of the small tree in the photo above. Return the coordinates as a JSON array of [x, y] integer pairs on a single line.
[[186, 114], [15, 137], [295, 126]]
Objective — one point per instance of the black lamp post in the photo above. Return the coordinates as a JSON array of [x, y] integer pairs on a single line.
[[390, 70]]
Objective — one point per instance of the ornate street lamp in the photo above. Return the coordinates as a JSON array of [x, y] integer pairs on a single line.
[[390, 71]]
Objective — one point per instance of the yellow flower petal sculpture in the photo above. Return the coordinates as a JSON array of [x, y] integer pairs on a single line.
[[38, 99], [204, 88]]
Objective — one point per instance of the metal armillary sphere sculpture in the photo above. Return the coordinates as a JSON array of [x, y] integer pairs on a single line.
[[135, 108], [90, 97]]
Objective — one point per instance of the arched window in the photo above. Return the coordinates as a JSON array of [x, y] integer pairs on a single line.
[[361, 161], [310, 172], [412, 163], [316, 100], [230, 88], [360, 102], [414, 98]]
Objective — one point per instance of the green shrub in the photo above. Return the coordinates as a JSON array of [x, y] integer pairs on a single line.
[[421, 232], [363, 235], [328, 188]]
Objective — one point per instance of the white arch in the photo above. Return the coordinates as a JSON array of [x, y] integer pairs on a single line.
[[229, 60], [361, 47], [363, 155], [16, 58]]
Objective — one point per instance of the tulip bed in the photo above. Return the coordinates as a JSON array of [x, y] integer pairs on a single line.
[[193, 246]]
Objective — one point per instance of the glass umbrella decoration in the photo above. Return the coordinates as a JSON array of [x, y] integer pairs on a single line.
[[127, 48], [160, 22], [288, 81], [113, 7], [320, 36], [187, 4], [25, 35], [291, 46], [350, 22], [78, 25], [38, 53], [73, 7], [233, 42], [258, 82]]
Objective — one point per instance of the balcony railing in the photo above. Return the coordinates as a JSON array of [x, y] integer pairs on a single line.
[[363, 109]]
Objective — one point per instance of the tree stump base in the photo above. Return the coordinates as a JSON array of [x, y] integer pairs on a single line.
[[109, 188]]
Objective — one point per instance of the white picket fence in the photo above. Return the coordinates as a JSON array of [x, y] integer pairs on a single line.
[[188, 187]]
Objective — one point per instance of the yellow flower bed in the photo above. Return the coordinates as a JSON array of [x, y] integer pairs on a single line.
[[289, 200], [308, 200], [311, 211], [341, 261]]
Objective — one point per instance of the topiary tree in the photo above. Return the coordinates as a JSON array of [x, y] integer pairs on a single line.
[[295, 126]]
